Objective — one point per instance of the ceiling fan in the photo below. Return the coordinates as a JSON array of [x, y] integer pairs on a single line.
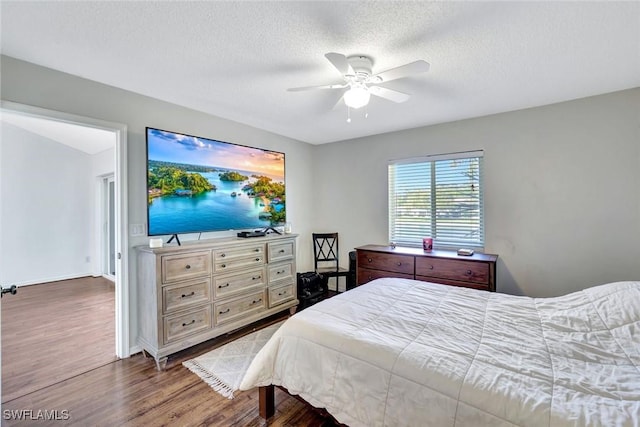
[[360, 81]]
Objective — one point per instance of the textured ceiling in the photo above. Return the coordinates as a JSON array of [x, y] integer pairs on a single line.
[[236, 59]]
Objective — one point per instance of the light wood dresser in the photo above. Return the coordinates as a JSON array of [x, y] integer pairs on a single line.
[[191, 293], [446, 267]]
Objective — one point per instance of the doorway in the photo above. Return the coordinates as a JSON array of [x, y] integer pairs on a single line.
[[112, 255]]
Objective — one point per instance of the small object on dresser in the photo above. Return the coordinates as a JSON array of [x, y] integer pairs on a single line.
[[155, 243], [465, 252], [427, 243], [255, 233]]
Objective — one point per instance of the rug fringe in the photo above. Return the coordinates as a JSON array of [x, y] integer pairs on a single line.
[[216, 383]]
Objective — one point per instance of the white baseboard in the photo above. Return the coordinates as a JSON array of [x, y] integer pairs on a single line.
[[134, 349], [51, 279]]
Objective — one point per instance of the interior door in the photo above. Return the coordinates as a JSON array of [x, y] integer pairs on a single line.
[[109, 247]]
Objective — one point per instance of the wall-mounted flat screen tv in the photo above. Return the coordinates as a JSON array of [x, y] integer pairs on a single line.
[[197, 184]]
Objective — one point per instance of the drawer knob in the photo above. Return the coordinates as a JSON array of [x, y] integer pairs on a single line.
[[223, 265], [399, 264], [430, 267], [256, 278], [188, 295], [223, 286], [255, 301], [257, 259], [256, 250], [281, 251], [282, 293], [369, 259], [223, 255], [469, 273], [190, 323], [224, 312], [187, 266]]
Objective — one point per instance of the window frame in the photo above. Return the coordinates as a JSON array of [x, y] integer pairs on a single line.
[[410, 238]]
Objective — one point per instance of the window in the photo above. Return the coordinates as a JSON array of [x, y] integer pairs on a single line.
[[439, 197]]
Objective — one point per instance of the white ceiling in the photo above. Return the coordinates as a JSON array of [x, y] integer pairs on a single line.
[[84, 138], [236, 59]]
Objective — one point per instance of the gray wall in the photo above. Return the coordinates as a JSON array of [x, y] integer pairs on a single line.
[[562, 189]]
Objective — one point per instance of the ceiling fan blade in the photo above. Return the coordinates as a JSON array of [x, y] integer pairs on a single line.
[[340, 62], [390, 94], [406, 70], [299, 89]]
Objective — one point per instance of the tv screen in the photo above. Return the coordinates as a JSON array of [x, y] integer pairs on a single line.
[[197, 184]]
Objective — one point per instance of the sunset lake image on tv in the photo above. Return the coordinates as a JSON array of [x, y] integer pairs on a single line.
[[196, 184]]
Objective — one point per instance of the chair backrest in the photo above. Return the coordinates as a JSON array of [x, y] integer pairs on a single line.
[[325, 248], [352, 262]]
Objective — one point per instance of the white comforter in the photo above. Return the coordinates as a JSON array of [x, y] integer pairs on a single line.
[[398, 352]]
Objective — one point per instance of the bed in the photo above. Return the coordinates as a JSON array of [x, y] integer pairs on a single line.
[[399, 352]]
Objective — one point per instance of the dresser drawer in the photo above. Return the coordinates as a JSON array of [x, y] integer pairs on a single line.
[[178, 326], [230, 254], [280, 272], [366, 275], [225, 264], [185, 294], [185, 266], [280, 251], [468, 271], [387, 262], [230, 284], [281, 294], [230, 310]]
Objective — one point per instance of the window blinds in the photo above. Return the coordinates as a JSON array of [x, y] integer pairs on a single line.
[[438, 197]]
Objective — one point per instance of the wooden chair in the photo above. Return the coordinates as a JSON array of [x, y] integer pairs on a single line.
[[326, 256]]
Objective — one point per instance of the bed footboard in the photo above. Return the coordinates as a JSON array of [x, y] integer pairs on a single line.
[[267, 402]]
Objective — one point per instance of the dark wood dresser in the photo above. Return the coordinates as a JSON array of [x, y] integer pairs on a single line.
[[446, 267]]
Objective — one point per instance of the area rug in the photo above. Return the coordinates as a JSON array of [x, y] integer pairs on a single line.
[[224, 367]]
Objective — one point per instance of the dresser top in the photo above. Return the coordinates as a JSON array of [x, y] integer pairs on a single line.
[[221, 242], [436, 253]]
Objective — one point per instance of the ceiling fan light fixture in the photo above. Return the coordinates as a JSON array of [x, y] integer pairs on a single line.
[[357, 97]]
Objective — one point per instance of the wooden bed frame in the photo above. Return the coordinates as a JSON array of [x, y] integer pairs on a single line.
[[267, 403]]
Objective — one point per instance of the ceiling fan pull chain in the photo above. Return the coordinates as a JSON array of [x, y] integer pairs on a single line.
[[348, 114]]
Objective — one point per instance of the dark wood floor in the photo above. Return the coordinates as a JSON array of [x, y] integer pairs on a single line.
[[131, 392], [53, 331]]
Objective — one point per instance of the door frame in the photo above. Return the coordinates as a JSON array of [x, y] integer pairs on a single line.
[[121, 205], [104, 206]]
